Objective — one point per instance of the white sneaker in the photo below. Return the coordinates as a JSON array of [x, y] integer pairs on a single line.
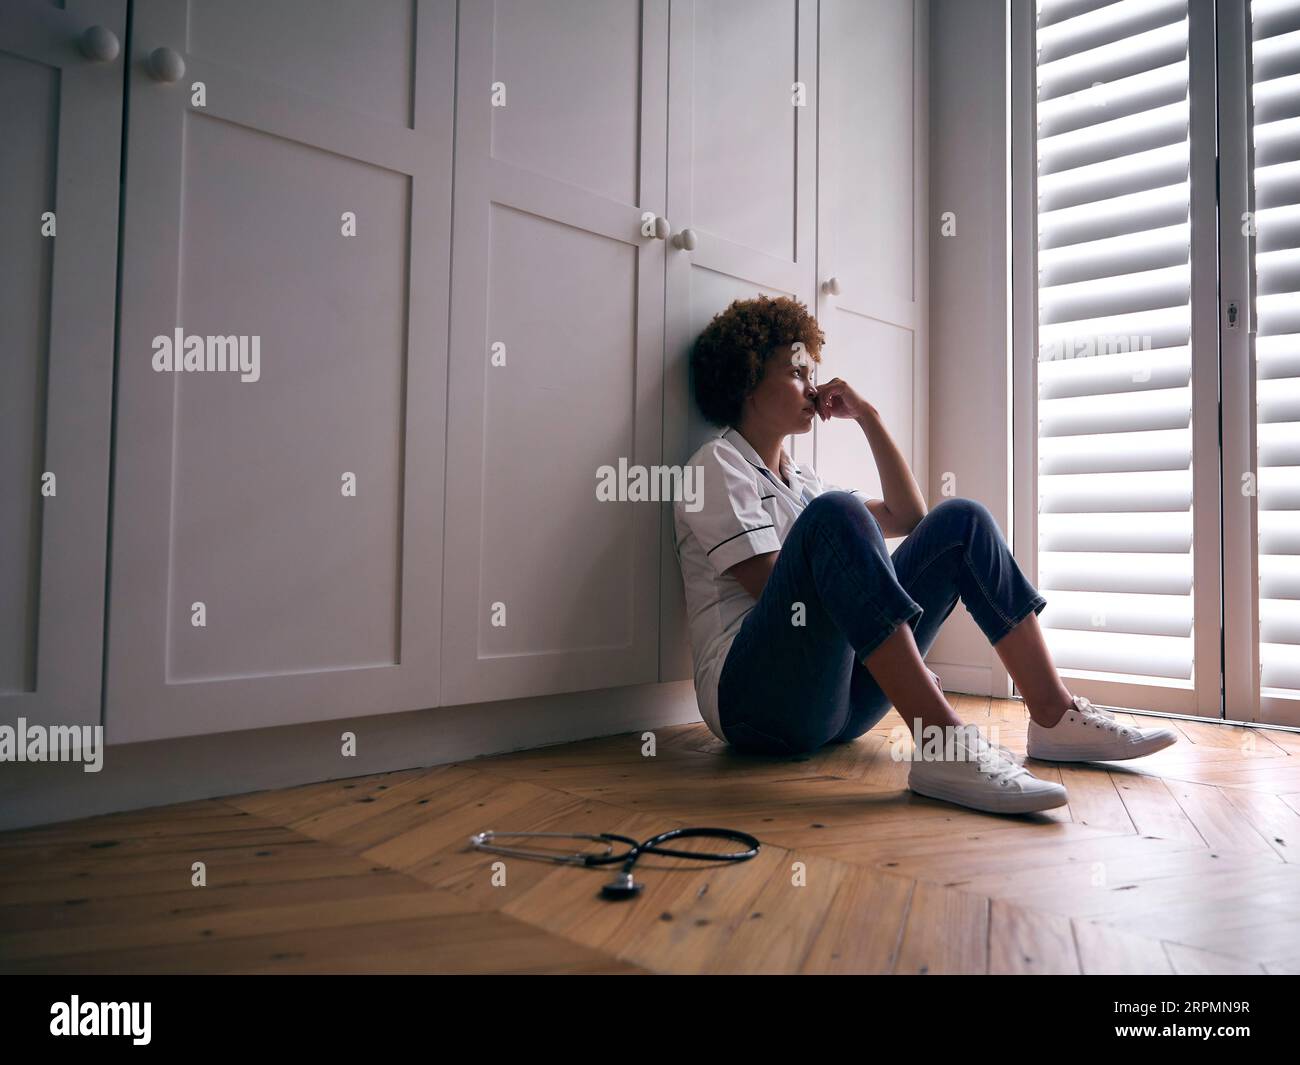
[[1086, 734], [983, 776]]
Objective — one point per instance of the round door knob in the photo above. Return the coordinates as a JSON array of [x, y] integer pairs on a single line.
[[831, 287], [662, 228], [165, 64], [100, 44], [685, 240]]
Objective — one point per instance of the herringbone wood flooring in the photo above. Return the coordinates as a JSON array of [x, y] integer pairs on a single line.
[[1183, 862]]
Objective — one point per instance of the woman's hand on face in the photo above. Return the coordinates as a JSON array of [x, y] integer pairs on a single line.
[[837, 399]]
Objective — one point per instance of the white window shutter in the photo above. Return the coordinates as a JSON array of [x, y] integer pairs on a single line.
[[1114, 362], [1275, 29]]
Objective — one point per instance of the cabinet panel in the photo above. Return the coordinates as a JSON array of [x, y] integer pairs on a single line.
[[557, 327], [61, 131], [744, 128], [867, 150], [742, 171], [568, 402], [356, 56], [30, 138], [276, 542], [872, 229], [570, 108], [263, 461]]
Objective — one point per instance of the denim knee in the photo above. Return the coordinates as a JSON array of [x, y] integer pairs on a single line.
[[837, 499], [971, 511], [840, 505], [848, 514]]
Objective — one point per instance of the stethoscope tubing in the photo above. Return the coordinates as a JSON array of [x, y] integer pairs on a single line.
[[651, 846], [634, 851]]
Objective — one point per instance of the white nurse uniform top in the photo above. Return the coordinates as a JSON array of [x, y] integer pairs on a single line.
[[745, 510]]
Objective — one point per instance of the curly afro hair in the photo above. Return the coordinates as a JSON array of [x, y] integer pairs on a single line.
[[731, 354]]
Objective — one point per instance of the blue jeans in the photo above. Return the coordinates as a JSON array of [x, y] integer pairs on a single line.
[[792, 681]]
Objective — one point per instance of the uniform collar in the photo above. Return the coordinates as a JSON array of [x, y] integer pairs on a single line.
[[788, 468]]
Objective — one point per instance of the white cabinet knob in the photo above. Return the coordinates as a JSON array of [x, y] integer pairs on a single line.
[[685, 240], [165, 64], [831, 287], [662, 228], [99, 44]]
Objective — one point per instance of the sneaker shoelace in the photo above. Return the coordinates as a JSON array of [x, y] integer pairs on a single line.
[[1100, 718], [997, 760]]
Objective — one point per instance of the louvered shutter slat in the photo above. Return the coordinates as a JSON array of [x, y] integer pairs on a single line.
[[1111, 374], [1114, 330], [1275, 92], [1137, 212], [1128, 253], [1112, 62], [1278, 230], [1145, 91], [1276, 57]]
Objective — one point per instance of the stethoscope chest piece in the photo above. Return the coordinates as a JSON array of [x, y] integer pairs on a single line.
[[621, 887]]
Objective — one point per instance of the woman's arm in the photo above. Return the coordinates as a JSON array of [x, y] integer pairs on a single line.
[[754, 572], [904, 505]]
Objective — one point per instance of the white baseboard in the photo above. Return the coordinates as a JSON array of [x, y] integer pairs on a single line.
[[962, 678], [139, 775]]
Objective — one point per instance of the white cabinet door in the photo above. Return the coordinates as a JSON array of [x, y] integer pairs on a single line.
[[231, 504], [61, 131], [742, 168], [556, 352], [872, 229]]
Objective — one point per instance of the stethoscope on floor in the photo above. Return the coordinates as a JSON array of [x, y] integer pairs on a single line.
[[622, 886]]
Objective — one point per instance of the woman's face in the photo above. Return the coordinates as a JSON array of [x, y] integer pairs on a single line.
[[784, 398]]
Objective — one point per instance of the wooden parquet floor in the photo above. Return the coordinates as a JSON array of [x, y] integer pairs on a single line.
[[1183, 862]]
